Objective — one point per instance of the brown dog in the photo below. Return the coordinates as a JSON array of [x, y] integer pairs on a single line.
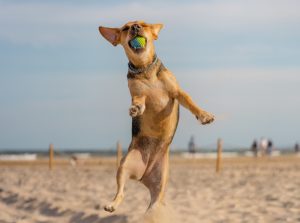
[[156, 96]]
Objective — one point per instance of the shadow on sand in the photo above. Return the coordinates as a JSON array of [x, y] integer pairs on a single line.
[[81, 218], [47, 209]]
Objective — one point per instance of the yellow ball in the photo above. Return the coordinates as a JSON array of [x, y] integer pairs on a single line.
[[138, 42], [141, 40]]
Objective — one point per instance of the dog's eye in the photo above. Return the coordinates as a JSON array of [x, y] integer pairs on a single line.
[[125, 28]]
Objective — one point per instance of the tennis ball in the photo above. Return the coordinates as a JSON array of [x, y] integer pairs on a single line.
[[138, 42]]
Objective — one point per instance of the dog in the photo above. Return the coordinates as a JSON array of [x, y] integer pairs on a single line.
[[156, 97]]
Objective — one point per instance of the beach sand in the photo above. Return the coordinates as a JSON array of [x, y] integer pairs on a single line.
[[247, 190]]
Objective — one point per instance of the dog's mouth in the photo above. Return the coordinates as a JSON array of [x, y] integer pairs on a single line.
[[138, 43]]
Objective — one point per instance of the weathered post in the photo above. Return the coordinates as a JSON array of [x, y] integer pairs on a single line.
[[51, 151], [119, 153], [219, 155]]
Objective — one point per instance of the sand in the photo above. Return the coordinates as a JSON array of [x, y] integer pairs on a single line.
[[247, 190]]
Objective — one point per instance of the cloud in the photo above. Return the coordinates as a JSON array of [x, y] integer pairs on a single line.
[[44, 23]]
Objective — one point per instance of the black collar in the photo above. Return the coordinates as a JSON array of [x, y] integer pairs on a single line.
[[134, 70]]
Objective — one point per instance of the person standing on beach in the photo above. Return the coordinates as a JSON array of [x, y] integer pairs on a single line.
[[297, 148], [191, 146], [269, 147], [254, 148], [263, 146]]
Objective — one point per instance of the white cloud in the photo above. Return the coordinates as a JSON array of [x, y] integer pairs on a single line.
[[44, 23]]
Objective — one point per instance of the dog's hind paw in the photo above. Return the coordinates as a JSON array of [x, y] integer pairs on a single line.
[[109, 208]]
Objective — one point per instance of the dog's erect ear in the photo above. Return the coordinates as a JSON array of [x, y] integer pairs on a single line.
[[155, 30], [111, 34]]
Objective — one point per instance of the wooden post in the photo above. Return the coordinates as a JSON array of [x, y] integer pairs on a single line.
[[51, 150], [119, 153], [219, 155]]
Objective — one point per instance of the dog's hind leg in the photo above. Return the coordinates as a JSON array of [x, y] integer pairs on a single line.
[[132, 166], [156, 177]]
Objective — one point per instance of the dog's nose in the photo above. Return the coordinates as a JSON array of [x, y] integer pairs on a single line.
[[135, 28]]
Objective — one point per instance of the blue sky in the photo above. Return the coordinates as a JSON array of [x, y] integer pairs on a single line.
[[61, 82]]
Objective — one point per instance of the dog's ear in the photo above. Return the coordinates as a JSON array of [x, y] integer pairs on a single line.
[[110, 34], [155, 28]]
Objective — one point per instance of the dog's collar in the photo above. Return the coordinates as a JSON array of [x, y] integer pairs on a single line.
[[134, 70]]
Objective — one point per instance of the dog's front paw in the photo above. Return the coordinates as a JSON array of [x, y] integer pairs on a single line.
[[205, 118], [136, 110]]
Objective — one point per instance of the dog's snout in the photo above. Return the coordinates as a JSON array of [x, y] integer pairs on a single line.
[[135, 28]]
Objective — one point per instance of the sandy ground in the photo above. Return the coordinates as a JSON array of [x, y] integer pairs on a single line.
[[247, 190]]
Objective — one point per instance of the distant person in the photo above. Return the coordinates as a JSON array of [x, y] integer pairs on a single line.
[[263, 146], [74, 161], [191, 146], [270, 148], [254, 148], [297, 149]]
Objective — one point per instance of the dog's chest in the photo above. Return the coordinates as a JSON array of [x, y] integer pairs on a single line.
[[157, 98]]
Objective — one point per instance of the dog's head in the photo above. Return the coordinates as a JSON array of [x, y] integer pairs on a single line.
[[136, 38]]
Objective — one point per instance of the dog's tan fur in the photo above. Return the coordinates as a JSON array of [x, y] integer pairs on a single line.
[[156, 96]]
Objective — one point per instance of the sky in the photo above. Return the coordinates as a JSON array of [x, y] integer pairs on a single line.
[[62, 83]]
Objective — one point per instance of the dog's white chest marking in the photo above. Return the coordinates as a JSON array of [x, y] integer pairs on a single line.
[[157, 98]]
